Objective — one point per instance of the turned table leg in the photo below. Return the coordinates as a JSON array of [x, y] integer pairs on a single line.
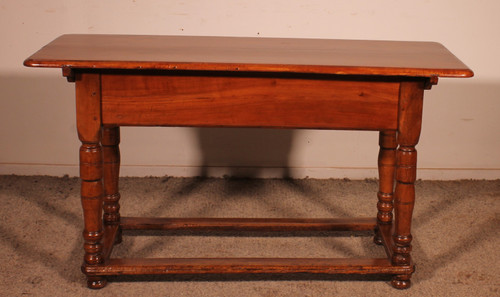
[[410, 119], [88, 116], [386, 170], [111, 168]]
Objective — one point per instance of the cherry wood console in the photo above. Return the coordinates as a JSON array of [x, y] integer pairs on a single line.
[[247, 82]]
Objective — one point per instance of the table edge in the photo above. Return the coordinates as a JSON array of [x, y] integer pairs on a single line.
[[238, 67]]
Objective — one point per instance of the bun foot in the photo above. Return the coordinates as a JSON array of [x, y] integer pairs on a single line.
[[96, 282], [401, 281]]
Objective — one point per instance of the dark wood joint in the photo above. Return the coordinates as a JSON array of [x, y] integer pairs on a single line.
[[431, 81], [68, 73]]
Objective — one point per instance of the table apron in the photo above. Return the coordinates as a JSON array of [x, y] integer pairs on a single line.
[[219, 101]]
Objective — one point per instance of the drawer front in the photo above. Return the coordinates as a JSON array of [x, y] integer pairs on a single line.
[[219, 101]]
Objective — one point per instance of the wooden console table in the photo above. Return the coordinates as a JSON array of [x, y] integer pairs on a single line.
[[247, 82]]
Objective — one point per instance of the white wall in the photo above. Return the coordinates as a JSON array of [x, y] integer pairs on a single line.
[[460, 137]]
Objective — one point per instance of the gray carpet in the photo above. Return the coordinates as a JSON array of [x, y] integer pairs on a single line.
[[456, 236]]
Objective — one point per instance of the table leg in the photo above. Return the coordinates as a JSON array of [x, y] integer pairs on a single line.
[[386, 170], [409, 125], [88, 116], [111, 168]]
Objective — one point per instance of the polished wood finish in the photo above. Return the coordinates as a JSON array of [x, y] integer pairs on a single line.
[[217, 100], [111, 168], [247, 82], [410, 121], [386, 170], [88, 122], [111, 235], [344, 57], [250, 224], [247, 266]]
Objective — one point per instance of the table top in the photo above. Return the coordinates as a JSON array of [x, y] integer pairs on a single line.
[[323, 56]]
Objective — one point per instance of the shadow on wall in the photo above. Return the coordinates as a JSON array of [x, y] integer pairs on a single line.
[[245, 152]]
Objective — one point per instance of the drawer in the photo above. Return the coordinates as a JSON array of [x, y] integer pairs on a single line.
[[248, 101]]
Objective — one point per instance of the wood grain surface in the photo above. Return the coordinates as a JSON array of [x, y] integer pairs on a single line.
[[219, 101], [329, 56]]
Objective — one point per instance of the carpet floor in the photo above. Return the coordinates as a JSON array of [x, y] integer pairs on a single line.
[[456, 231]]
